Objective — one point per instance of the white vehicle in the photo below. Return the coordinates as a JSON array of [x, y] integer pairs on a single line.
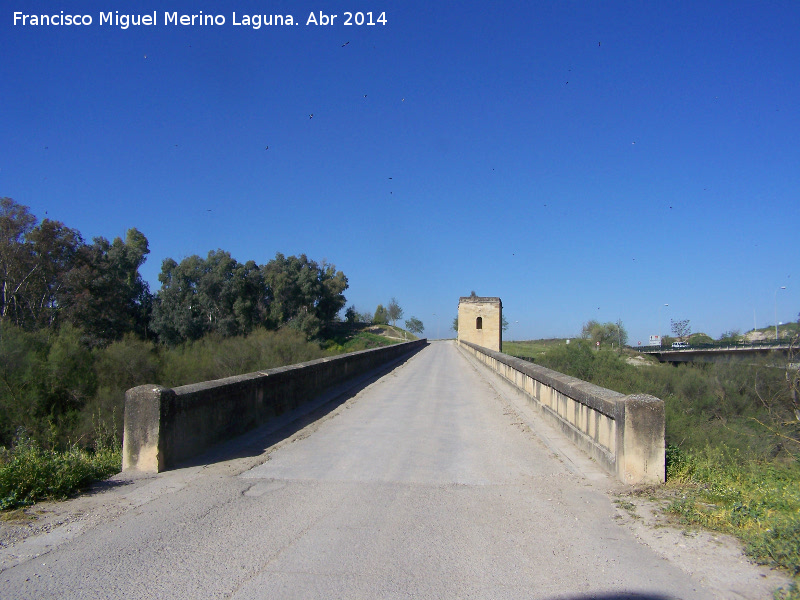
[[679, 345]]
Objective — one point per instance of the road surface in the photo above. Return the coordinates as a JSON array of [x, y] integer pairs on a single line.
[[434, 481]]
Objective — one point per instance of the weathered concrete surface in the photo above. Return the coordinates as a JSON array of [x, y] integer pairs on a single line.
[[432, 482]]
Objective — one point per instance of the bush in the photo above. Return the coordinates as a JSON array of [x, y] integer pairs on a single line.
[[29, 473], [47, 380], [283, 347], [778, 545], [575, 359], [23, 356], [126, 363], [119, 366], [214, 357]]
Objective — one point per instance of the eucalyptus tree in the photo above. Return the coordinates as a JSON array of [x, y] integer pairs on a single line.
[[415, 326], [103, 293], [393, 311], [212, 295], [220, 295], [304, 294], [605, 333], [381, 317]]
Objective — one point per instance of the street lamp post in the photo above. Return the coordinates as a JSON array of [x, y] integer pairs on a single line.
[[783, 287], [660, 324]]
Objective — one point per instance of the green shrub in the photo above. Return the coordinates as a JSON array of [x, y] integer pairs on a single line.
[[575, 359], [215, 357], [119, 366], [30, 473], [23, 359], [189, 362], [126, 363], [284, 347], [353, 341], [792, 593], [778, 545]]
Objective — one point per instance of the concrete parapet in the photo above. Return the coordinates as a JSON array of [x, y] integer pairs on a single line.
[[165, 426], [623, 433]]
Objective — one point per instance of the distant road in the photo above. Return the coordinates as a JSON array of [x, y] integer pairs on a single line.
[[765, 345], [715, 351], [432, 482]]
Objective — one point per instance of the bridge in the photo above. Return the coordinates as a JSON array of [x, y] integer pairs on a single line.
[[428, 476], [717, 352]]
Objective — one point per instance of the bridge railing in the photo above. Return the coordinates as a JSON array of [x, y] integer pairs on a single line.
[[625, 434], [766, 344], [165, 426]]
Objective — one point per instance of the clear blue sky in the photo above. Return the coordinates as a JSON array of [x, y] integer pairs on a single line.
[[580, 160]]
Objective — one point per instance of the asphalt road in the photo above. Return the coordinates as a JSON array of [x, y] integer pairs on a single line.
[[431, 482]]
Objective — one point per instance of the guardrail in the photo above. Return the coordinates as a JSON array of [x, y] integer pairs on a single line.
[[765, 345]]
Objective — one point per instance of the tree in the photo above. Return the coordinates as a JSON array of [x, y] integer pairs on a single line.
[[504, 324], [15, 261], [605, 333], [731, 336], [23, 358], [415, 326], [50, 276], [589, 328], [793, 376], [104, 294], [681, 329], [350, 315], [622, 334], [331, 299], [455, 324], [71, 379], [33, 262], [381, 317], [175, 317], [220, 295], [216, 294], [779, 395], [393, 311], [55, 249], [299, 286]]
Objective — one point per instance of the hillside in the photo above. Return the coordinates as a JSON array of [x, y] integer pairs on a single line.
[[350, 337], [768, 333]]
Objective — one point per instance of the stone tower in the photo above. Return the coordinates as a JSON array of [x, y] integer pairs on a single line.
[[480, 321]]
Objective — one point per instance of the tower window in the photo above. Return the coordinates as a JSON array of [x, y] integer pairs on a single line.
[[479, 323]]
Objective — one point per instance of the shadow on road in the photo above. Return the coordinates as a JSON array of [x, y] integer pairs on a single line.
[[99, 487], [617, 596]]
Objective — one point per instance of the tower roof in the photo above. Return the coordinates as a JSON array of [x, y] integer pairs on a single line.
[[478, 299]]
